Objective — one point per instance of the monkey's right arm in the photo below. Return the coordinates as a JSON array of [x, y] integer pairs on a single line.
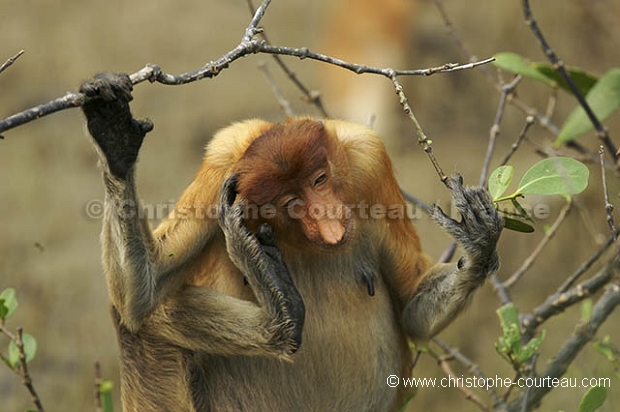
[[144, 271], [224, 325]]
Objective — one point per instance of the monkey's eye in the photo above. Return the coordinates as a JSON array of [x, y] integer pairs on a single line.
[[322, 178], [289, 203]]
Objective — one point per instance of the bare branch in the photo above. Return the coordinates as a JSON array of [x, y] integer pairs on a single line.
[[443, 362], [248, 45], [529, 121], [422, 139], [588, 263], [507, 89], [282, 101], [470, 365], [559, 301], [558, 65], [310, 96], [10, 61]]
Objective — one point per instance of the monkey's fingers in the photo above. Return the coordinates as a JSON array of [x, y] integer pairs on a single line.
[[450, 225], [109, 86], [229, 191], [265, 235], [146, 125]]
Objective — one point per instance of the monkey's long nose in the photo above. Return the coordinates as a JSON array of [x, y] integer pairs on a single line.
[[331, 230]]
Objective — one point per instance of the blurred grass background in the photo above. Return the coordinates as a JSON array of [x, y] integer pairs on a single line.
[[49, 248]]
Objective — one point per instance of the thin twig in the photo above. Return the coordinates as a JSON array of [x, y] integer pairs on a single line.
[[310, 96], [10, 61], [470, 396], [558, 65], [282, 101], [97, 389], [422, 139], [560, 301], [507, 89], [26, 379], [609, 208], [415, 201], [583, 268], [529, 121], [470, 365], [500, 290], [529, 261]]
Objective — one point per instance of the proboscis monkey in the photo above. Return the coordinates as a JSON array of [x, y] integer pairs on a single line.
[[287, 278]]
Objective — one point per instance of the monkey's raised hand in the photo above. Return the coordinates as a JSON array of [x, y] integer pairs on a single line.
[[479, 228], [260, 260], [117, 133]]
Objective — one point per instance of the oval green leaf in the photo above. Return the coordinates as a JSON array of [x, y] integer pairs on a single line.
[[517, 225], [593, 399], [582, 79], [499, 181], [603, 99], [9, 303], [30, 349], [555, 176], [515, 63]]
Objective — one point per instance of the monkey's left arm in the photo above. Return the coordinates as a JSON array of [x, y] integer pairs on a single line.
[[446, 288]]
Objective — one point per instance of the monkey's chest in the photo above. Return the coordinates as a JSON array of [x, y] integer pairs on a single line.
[[351, 343]]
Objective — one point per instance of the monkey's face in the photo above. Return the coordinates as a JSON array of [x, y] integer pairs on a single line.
[[287, 178]]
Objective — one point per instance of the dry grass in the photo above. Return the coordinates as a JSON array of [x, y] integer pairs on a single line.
[[48, 172]]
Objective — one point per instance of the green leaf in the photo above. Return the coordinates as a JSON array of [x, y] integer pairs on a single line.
[[603, 99], [582, 79], [499, 181], [593, 399], [510, 343], [531, 348], [555, 176], [517, 225], [515, 63], [30, 349], [105, 394], [8, 303]]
